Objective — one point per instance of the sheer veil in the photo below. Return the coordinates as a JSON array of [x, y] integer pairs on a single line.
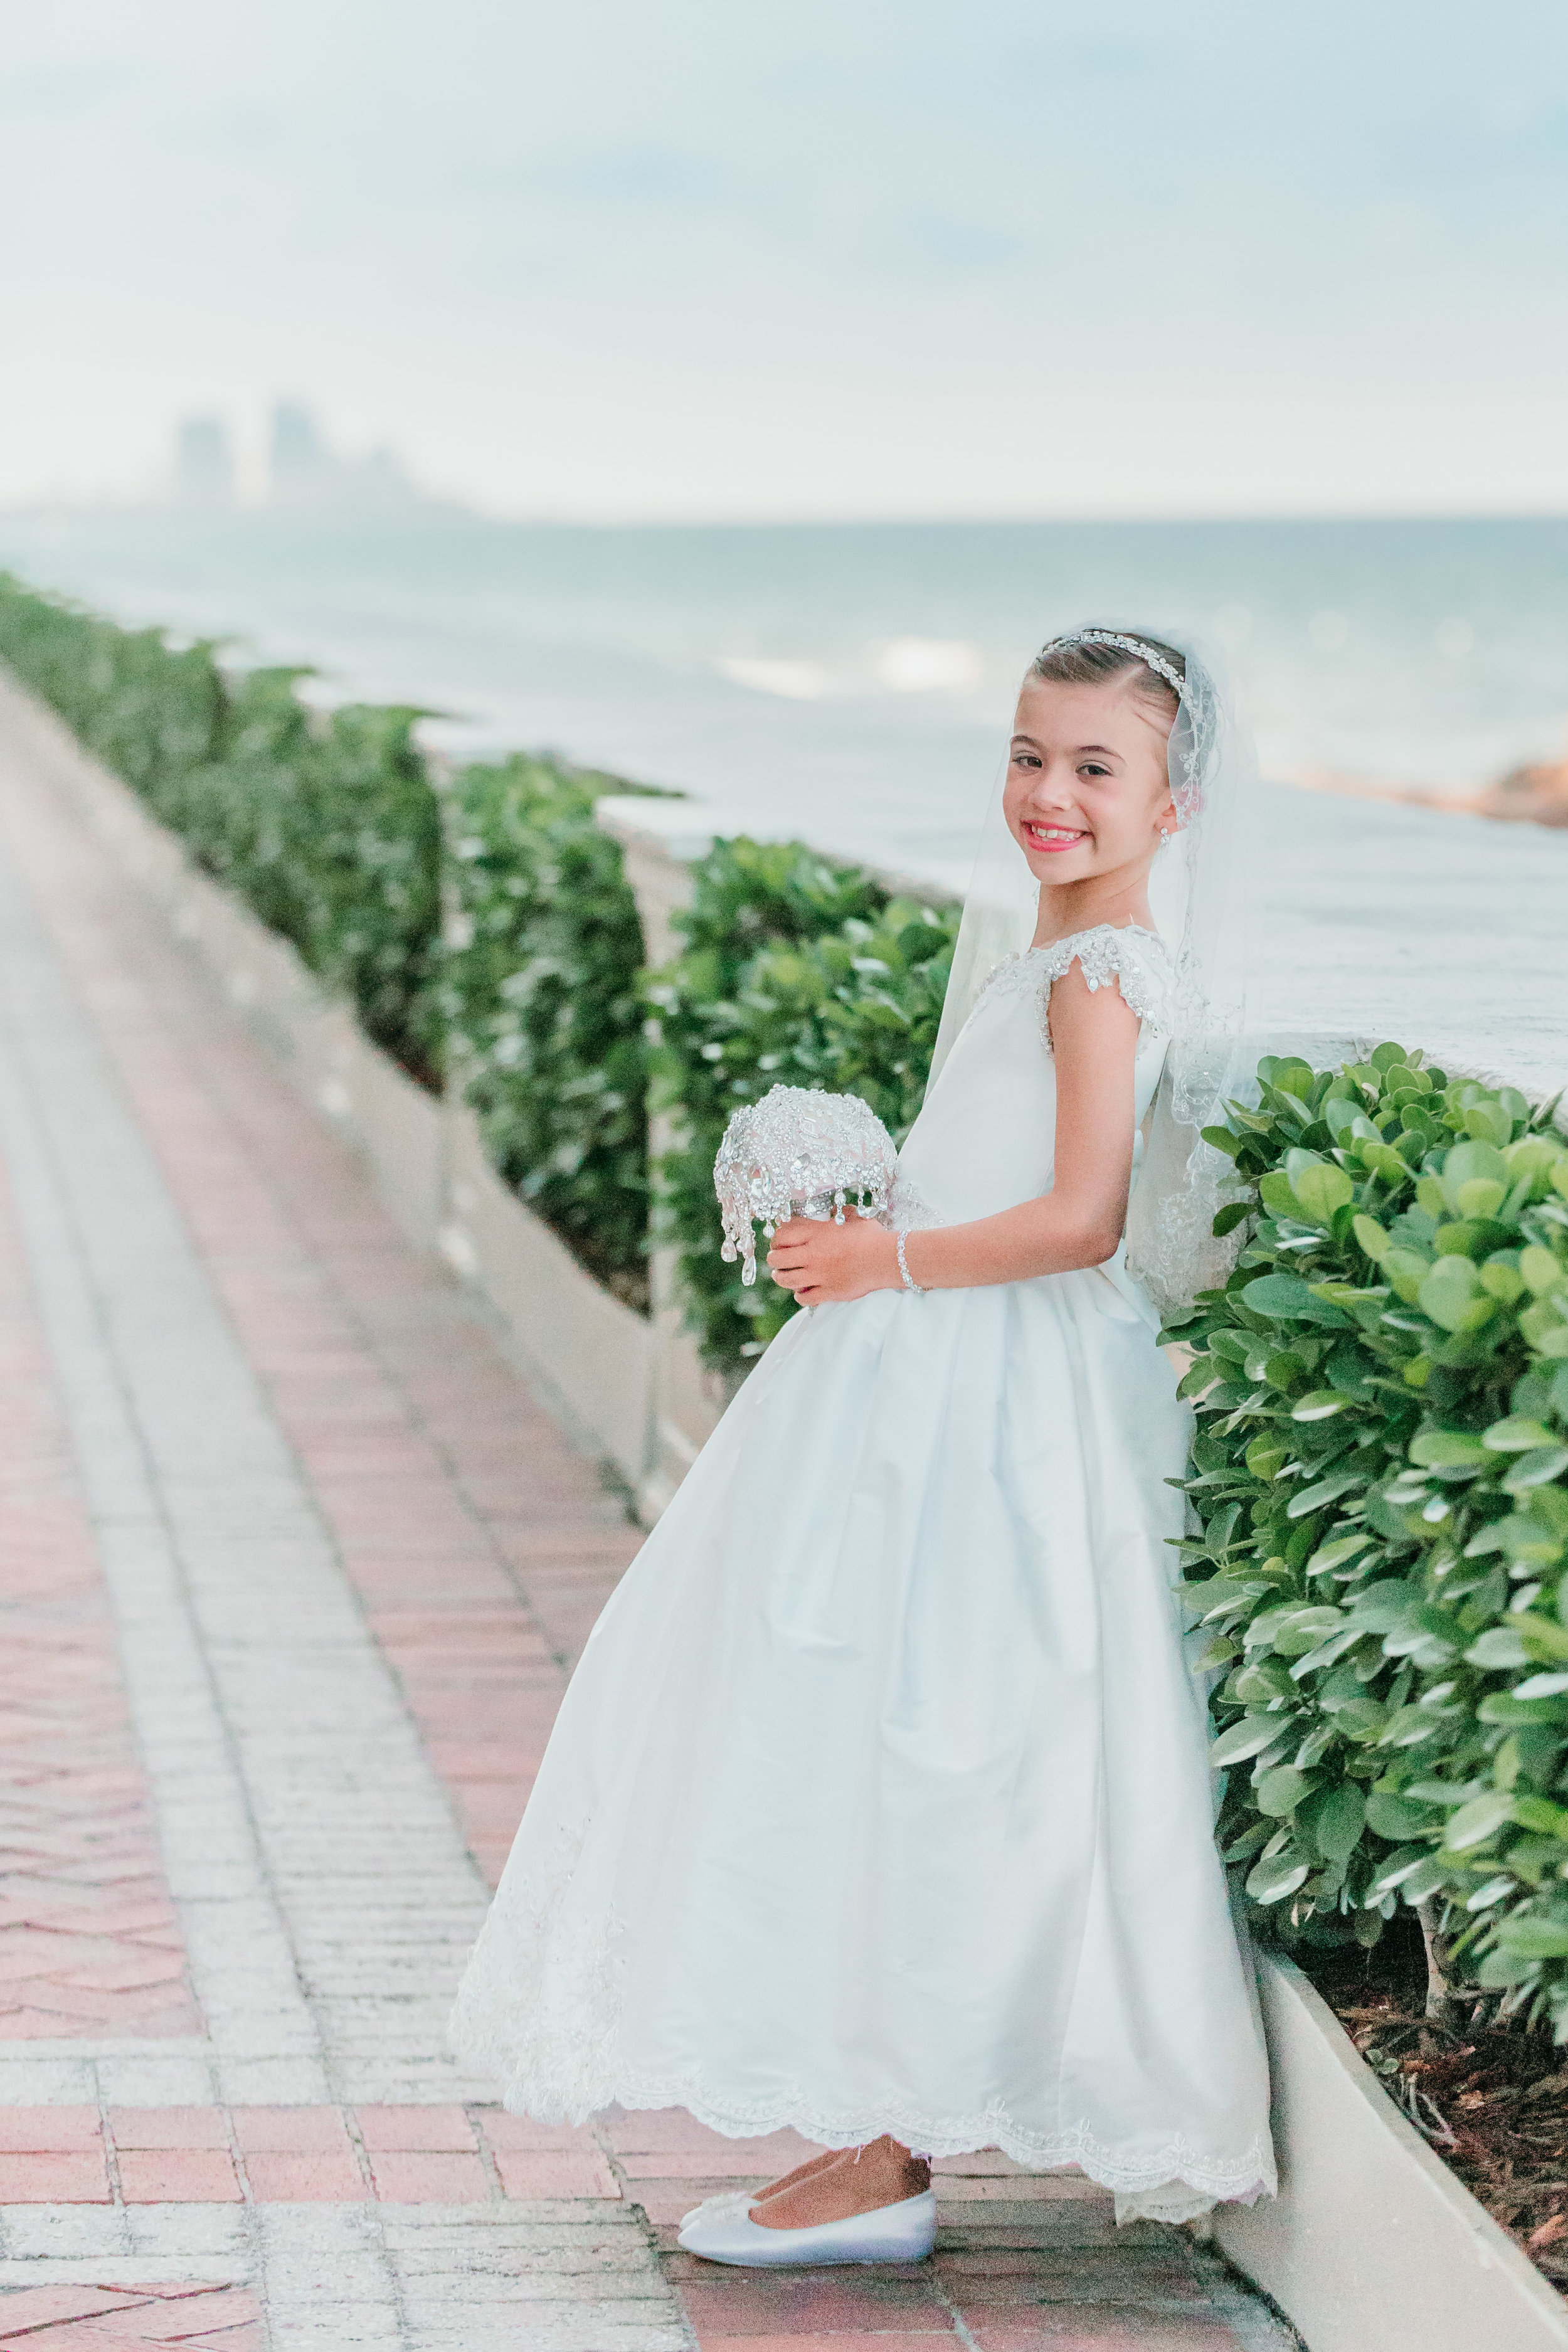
[[1202, 893]]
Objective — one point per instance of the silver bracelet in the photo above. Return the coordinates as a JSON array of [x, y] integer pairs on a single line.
[[910, 1282]]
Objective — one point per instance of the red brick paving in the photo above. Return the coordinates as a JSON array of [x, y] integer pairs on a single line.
[[290, 2131], [413, 2156], [74, 2319], [89, 1944], [431, 2179], [43, 2179], [179, 2175]]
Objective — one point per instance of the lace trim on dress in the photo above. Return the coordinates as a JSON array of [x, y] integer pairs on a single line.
[[908, 1210], [1237, 2180], [1106, 955], [540, 2010], [541, 2001]]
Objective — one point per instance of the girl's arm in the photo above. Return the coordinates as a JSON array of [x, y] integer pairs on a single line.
[[1078, 1223]]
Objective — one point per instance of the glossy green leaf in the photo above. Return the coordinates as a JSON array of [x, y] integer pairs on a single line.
[[1248, 1737], [1280, 1298], [1321, 1404], [1530, 1938], [1394, 1818], [1337, 1821], [1279, 1791], [1323, 1189], [1542, 1270], [1452, 1295], [1542, 1463], [1448, 1449], [1323, 1491], [1271, 1880], [1517, 1434], [1477, 1820], [1372, 1238]]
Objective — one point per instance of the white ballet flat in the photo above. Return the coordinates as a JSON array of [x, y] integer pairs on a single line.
[[728, 2201], [904, 2232]]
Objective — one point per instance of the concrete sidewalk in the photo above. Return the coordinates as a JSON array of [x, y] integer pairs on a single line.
[[292, 1570]]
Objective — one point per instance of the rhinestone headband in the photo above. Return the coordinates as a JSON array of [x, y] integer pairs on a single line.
[[1146, 654]]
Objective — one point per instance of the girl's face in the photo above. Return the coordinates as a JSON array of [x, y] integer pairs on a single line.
[[1086, 790]]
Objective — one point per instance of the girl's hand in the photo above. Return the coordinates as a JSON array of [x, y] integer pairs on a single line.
[[828, 1262]]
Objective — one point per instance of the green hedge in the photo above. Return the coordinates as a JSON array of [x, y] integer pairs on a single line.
[[327, 825], [149, 710], [797, 972], [1380, 1479], [539, 1000], [331, 827]]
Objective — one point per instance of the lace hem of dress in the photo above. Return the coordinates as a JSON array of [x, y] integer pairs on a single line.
[[1105, 957], [539, 2010], [1175, 2183], [1215, 2178], [540, 2005]]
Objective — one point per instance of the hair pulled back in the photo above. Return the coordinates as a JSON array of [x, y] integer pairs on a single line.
[[1092, 662]]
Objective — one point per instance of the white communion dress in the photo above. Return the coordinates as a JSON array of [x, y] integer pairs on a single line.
[[880, 1800]]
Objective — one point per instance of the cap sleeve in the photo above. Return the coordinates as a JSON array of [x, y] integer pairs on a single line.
[[1135, 962]]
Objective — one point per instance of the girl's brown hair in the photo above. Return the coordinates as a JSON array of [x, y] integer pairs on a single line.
[[1092, 662]]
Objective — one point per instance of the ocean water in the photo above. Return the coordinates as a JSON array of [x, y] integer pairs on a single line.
[[852, 683]]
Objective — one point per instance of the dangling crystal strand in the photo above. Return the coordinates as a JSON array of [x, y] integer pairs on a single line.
[[799, 1151]]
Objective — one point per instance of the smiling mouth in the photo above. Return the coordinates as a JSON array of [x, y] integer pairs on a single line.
[[1052, 839]]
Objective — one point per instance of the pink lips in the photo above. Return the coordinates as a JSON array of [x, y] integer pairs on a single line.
[[1037, 840]]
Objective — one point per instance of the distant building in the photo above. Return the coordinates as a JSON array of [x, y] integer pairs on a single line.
[[203, 463], [306, 473], [299, 464]]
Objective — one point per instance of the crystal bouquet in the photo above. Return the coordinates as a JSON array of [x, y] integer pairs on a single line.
[[799, 1152]]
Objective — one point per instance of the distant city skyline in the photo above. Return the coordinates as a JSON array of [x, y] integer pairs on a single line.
[[302, 469], [706, 262]]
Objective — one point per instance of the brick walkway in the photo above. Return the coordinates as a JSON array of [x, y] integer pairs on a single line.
[[88, 1939], [294, 1568]]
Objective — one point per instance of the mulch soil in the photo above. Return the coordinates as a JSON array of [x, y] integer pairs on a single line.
[[1491, 2100]]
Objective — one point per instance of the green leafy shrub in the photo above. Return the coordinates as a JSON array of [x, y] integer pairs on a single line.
[[538, 996], [327, 825], [147, 709], [795, 972], [366, 845], [1381, 1476]]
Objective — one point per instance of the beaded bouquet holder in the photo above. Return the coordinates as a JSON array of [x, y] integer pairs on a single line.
[[799, 1153]]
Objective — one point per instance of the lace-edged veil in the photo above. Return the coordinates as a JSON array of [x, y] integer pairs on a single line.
[[1201, 894]]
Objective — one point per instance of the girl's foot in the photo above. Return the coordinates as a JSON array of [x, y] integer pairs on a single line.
[[744, 2199], [842, 2184], [901, 2233], [806, 2172]]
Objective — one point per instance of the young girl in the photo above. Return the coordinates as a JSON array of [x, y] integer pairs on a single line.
[[879, 1805]]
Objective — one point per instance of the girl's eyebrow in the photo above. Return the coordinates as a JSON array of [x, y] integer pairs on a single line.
[[1103, 749]]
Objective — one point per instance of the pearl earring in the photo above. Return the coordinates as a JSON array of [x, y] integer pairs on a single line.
[[1164, 837]]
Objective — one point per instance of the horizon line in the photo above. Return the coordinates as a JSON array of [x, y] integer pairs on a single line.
[[436, 508]]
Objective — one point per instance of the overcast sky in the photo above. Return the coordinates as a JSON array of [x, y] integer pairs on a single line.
[[843, 258]]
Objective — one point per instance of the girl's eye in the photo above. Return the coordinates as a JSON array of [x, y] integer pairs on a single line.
[[1093, 768], [1024, 759]]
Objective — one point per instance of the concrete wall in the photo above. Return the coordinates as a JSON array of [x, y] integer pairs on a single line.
[[1373, 2244]]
